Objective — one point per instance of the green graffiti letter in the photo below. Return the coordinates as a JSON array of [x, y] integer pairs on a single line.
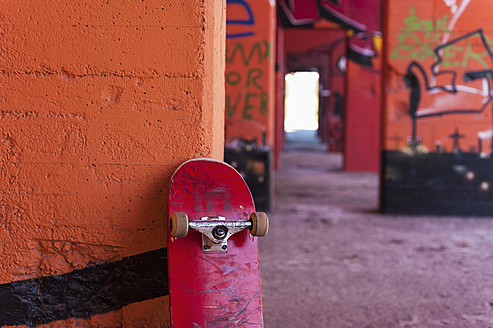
[[233, 78], [267, 52], [471, 54], [418, 38], [253, 75], [238, 48], [449, 54], [231, 110], [264, 103], [247, 115], [405, 50]]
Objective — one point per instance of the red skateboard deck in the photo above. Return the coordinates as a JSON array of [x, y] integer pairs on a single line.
[[212, 289]]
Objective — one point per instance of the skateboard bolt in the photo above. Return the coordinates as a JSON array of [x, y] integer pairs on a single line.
[[224, 247], [220, 232], [206, 247]]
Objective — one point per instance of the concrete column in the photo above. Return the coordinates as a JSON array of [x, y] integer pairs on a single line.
[[99, 102], [250, 76]]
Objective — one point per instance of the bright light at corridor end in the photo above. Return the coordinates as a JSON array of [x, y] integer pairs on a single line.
[[301, 101]]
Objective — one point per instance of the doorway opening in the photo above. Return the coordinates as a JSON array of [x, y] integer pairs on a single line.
[[301, 104]]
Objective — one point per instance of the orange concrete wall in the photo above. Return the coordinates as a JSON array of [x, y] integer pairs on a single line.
[[250, 75], [99, 102], [279, 97]]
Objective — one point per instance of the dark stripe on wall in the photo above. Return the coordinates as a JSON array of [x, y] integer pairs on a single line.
[[359, 58], [97, 289]]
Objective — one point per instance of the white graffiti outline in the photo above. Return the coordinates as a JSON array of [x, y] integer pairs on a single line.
[[454, 19], [456, 15]]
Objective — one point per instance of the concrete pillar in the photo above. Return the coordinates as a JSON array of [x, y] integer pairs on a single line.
[[250, 76], [362, 124], [437, 103], [99, 102]]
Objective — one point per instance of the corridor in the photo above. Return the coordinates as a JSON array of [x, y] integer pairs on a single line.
[[331, 260]]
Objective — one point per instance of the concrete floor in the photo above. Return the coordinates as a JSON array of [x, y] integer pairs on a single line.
[[331, 260]]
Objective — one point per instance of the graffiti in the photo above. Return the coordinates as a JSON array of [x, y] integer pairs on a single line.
[[261, 49], [250, 101], [445, 165], [457, 12], [242, 21], [417, 79], [365, 37], [452, 4], [249, 80], [418, 38]]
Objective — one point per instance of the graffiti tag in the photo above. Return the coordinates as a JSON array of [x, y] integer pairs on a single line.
[[249, 20], [250, 78], [419, 39]]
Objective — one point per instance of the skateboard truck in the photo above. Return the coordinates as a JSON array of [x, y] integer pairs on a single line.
[[217, 230]]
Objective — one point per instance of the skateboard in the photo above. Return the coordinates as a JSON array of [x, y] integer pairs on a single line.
[[213, 266]]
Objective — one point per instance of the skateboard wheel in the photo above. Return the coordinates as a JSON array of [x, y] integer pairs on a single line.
[[260, 224], [178, 224]]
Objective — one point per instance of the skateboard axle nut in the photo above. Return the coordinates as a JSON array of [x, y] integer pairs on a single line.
[[220, 232]]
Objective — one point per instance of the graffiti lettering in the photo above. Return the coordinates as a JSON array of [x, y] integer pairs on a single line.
[[231, 108], [247, 115], [248, 102], [414, 24], [264, 103], [253, 75], [233, 78], [480, 57], [262, 50], [419, 37], [249, 79], [418, 80], [249, 21]]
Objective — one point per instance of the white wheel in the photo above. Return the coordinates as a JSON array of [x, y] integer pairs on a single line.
[[260, 224], [178, 224]]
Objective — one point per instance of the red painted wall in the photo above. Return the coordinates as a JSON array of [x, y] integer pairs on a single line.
[[333, 134], [362, 120]]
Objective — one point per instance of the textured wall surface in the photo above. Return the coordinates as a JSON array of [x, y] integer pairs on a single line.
[[250, 56], [438, 107], [99, 102]]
